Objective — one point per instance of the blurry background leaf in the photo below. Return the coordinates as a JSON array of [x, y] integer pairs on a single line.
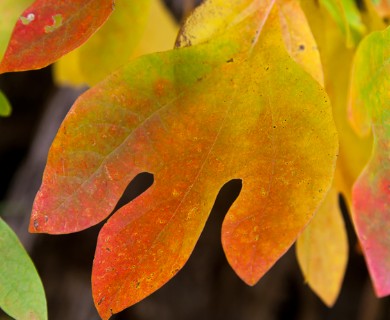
[[135, 28], [322, 250], [21, 292], [370, 109], [347, 17], [5, 107], [382, 7]]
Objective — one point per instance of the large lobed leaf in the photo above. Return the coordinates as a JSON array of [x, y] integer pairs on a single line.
[[236, 106], [21, 291], [48, 29], [370, 110]]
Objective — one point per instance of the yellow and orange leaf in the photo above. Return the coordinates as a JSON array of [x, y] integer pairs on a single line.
[[370, 108], [49, 29], [196, 118]]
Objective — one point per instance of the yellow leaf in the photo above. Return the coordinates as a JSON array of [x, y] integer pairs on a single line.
[[135, 28], [299, 39], [322, 250], [160, 31], [330, 246]]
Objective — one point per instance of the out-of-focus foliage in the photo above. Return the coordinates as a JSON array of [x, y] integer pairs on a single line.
[[5, 107], [21, 292], [370, 110], [134, 29]]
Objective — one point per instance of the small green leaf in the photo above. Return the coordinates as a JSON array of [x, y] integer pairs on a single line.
[[21, 291], [5, 107]]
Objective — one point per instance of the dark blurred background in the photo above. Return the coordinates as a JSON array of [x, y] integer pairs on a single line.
[[206, 288]]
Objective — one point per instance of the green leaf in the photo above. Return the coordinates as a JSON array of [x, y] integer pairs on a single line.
[[21, 291], [5, 107]]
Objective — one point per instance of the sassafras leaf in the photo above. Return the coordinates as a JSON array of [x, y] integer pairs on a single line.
[[235, 107]]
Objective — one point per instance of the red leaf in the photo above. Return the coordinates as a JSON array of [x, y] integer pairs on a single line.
[[49, 29]]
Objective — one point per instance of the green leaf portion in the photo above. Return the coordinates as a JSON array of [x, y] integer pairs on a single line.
[[5, 107], [21, 291]]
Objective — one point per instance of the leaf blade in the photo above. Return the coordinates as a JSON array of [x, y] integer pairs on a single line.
[[159, 114]]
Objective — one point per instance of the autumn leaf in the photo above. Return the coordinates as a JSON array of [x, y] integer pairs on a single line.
[[322, 250], [328, 249], [21, 291], [11, 11], [49, 29], [5, 107], [216, 16], [298, 38], [151, 29], [196, 118], [354, 154], [370, 110]]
